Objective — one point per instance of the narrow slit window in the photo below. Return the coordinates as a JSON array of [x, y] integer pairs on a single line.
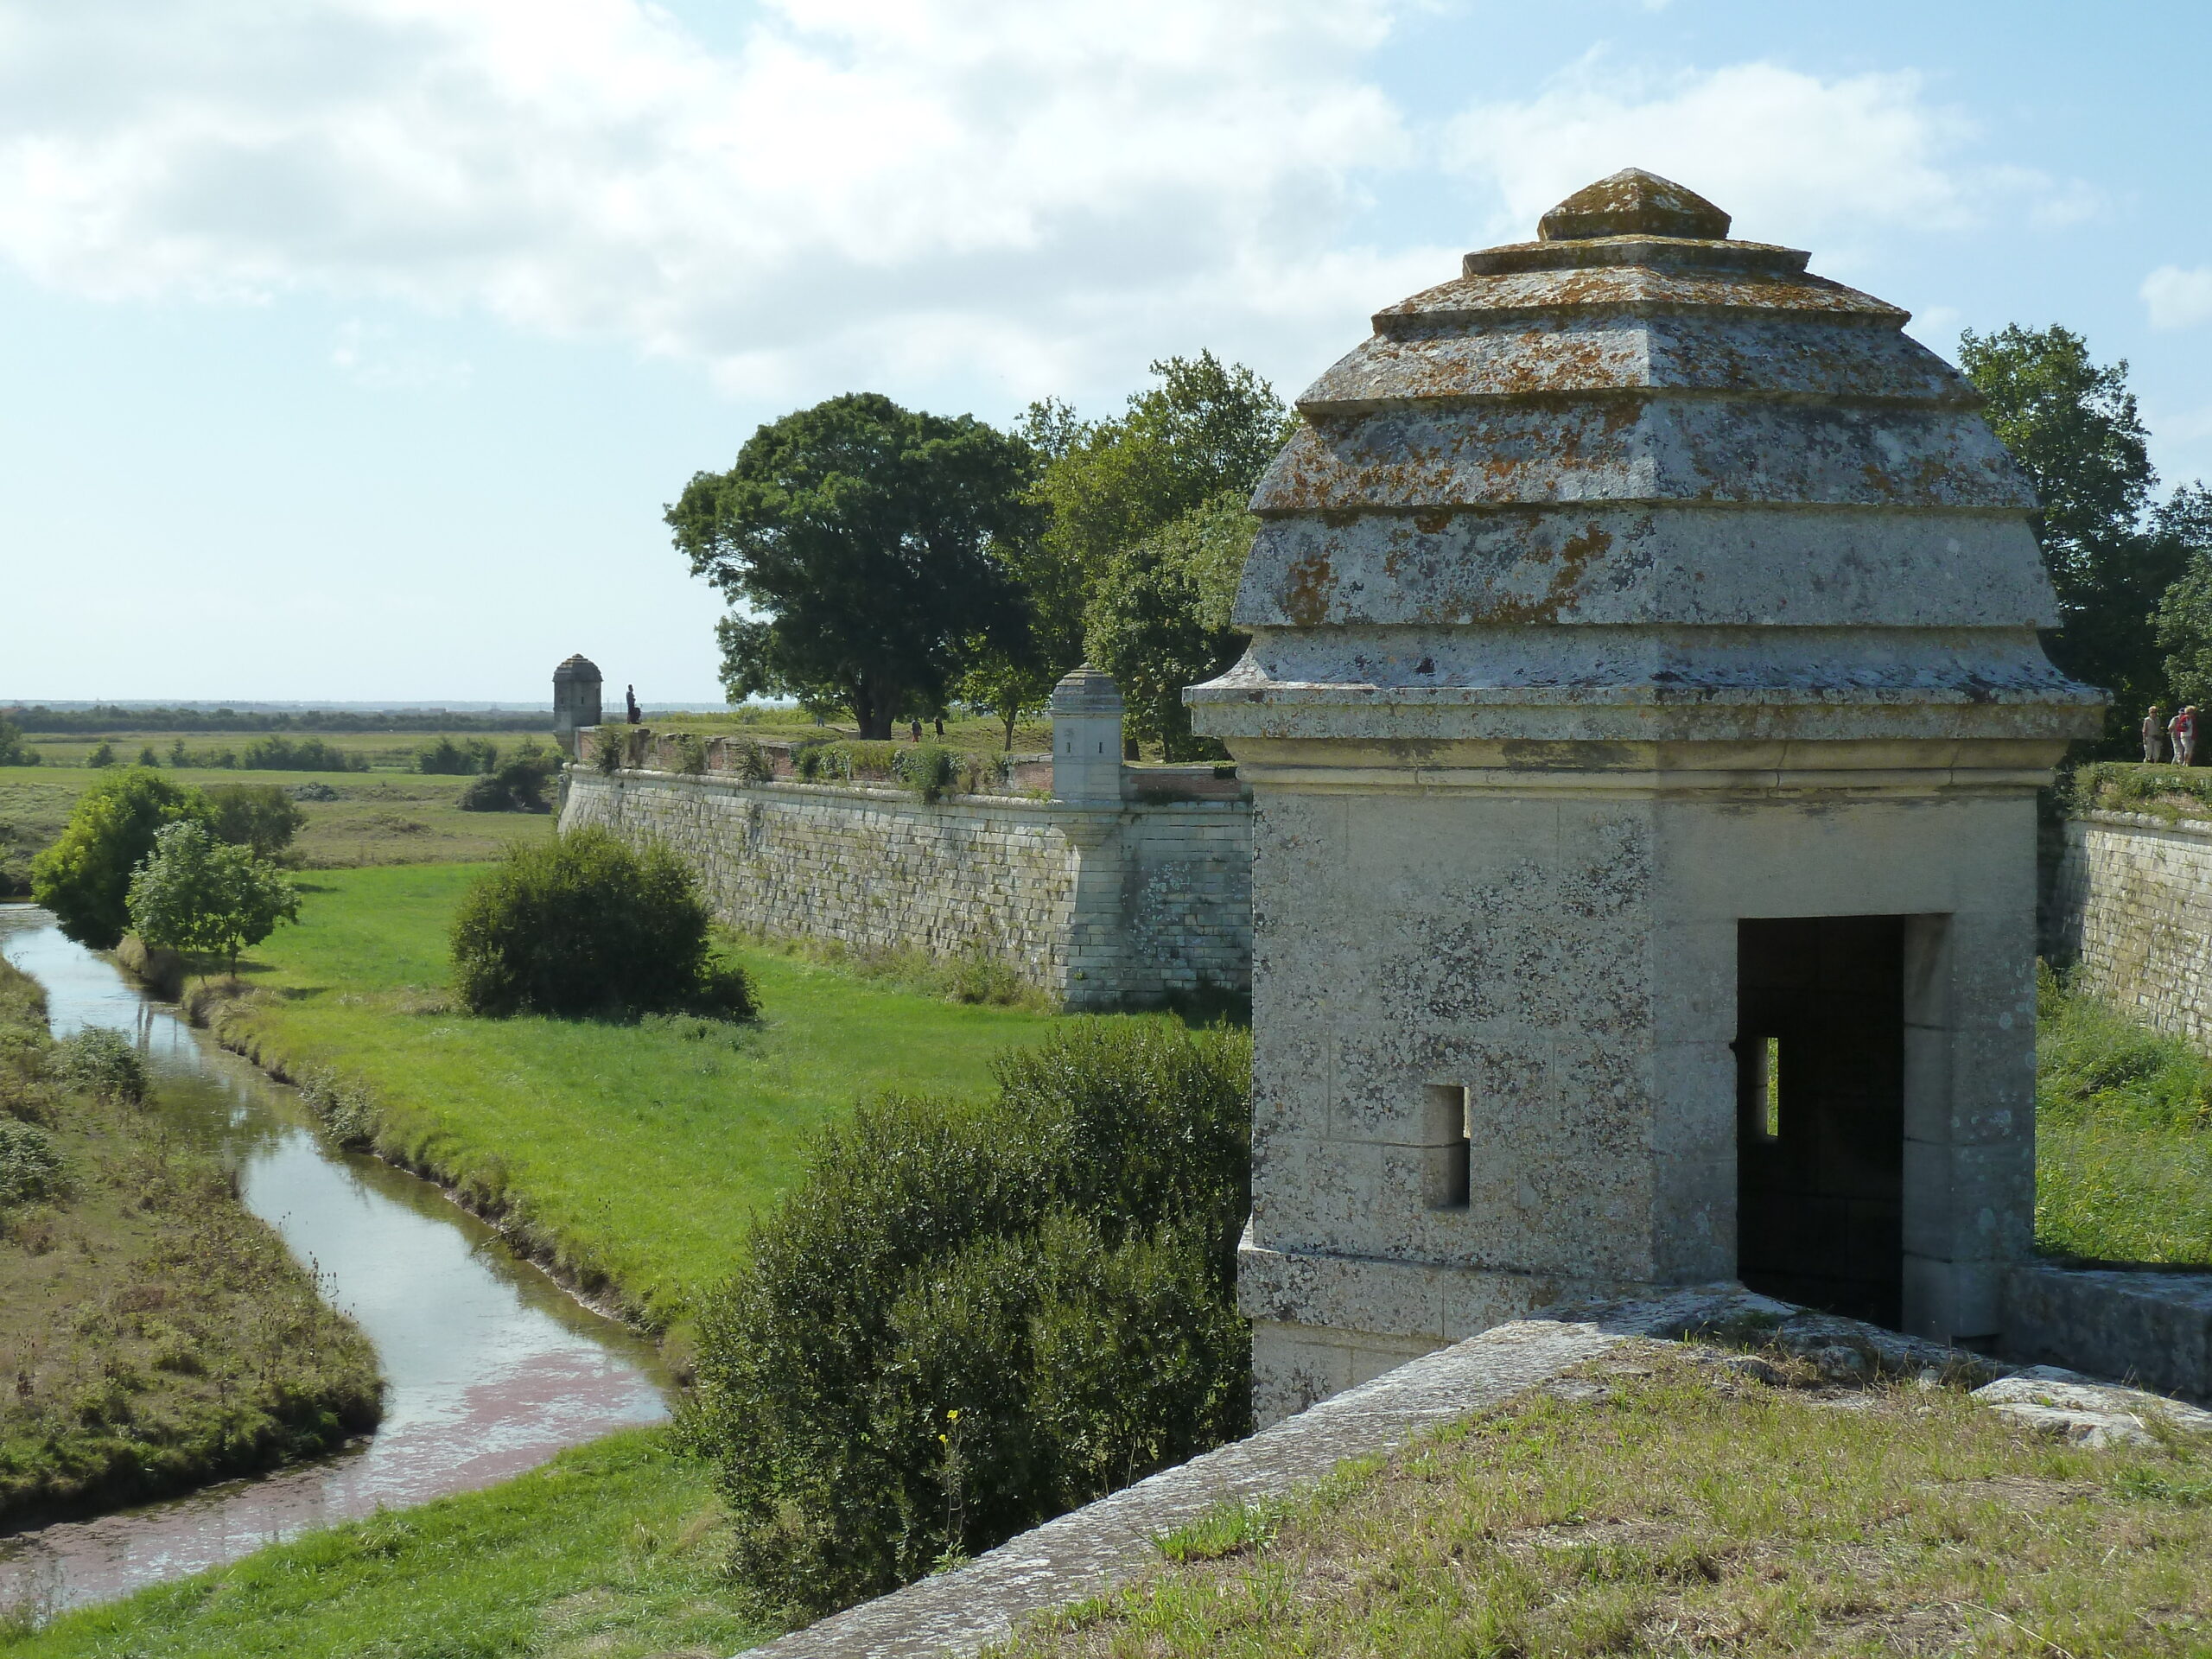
[[1450, 1144]]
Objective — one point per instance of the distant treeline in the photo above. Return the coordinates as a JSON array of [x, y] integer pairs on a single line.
[[109, 718]]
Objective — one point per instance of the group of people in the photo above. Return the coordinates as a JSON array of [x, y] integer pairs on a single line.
[[2178, 734]]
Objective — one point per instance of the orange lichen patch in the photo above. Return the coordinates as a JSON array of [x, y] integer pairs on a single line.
[[1308, 586]]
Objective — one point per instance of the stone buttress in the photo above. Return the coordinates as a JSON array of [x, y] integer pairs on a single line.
[[1645, 661]]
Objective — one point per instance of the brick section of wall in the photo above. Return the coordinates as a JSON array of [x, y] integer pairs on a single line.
[[1100, 906], [2134, 910]]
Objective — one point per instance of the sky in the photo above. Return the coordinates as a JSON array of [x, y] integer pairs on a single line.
[[352, 349]]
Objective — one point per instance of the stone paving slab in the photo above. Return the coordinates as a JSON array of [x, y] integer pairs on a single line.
[[2084, 1409]]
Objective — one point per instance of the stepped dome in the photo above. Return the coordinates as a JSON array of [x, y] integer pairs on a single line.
[[1637, 466]]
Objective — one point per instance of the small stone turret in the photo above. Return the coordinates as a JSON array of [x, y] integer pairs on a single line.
[[1643, 714], [576, 699], [1087, 738]]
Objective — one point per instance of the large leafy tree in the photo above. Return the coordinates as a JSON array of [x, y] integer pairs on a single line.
[[2073, 426], [868, 548], [1159, 620], [2184, 618], [84, 878], [1204, 428]]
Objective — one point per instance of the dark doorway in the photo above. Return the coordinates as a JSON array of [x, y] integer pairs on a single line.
[[1819, 1112]]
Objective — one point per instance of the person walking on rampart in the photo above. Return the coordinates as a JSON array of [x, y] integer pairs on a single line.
[[2182, 729], [2154, 734]]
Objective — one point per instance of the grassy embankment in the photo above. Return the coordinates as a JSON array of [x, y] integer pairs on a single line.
[[2123, 1137], [1678, 1512], [153, 1334], [611, 1550], [636, 1152], [633, 1156]]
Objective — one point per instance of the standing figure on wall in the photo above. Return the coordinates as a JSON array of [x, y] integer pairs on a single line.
[[630, 699], [2181, 729], [2154, 734]]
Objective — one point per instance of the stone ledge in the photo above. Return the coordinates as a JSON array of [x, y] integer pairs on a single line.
[[1109, 1543], [2139, 1323]]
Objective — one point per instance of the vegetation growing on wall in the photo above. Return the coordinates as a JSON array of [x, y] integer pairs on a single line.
[[965, 1319]]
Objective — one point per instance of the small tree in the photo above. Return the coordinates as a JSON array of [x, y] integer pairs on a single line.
[[14, 751], [198, 895], [260, 817], [84, 878], [102, 755]]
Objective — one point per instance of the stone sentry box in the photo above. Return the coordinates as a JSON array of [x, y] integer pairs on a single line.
[[1643, 714]]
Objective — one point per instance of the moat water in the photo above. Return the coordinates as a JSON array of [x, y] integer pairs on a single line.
[[489, 1367]]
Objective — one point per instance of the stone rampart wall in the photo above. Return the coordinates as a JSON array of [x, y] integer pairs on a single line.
[[2133, 910], [1101, 906]]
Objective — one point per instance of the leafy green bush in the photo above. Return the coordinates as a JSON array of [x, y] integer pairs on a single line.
[[103, 755], [84, 878], [586, 924], [450, 758], [14, 751], [30, 1164], [753, 765], [928, 770], [518, 786], [103, 1061], [299, 755], [691, 753], [261, 816], [965, 1319]]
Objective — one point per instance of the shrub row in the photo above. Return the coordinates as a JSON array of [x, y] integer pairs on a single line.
[[968, 1318]]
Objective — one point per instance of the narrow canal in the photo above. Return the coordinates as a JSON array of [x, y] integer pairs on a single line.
[[490, 1368]]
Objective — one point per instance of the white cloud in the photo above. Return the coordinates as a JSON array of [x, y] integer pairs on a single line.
[[372, 355], [2177, 298], [921, 184], [1795, 158]]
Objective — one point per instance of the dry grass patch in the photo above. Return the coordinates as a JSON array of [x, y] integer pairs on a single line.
[[1656, 1503]]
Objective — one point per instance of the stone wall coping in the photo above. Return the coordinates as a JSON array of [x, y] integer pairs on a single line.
[[895, 797], [2189, 828], [1109, 1543]]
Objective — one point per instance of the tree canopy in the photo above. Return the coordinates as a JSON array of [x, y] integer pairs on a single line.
[[2184, 616], [2073, 426], [869, 546], [84, 878], [1159, 620], [195, 893]]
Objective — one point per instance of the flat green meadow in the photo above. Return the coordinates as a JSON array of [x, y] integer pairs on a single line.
[[634, 1155]]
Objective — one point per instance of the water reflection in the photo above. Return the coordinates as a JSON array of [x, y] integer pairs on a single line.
[[490, 1368]]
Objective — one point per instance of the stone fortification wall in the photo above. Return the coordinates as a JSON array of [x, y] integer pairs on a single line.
[[2134, 910], [1101, 906]]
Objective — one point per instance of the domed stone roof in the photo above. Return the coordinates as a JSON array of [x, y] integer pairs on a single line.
[[1086, 691], [1634, 461], [577, 667]]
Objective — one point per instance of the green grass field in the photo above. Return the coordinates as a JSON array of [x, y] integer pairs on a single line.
[[379, 818], [635, 1154], [611, 1550], [2123, 1137]]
